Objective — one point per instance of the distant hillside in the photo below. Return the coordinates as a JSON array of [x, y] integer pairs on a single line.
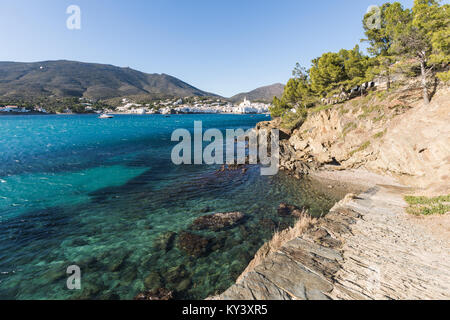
[[261, 94], [95, 81]]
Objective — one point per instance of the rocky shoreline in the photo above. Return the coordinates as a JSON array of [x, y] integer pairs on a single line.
[[365, 248]]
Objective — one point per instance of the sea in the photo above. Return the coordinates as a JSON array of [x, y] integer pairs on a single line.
[[104, 195]]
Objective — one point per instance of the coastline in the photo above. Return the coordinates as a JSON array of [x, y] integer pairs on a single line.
[[366, 247]]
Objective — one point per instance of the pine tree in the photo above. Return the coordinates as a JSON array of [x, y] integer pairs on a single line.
[[381, 38], [422, 37]]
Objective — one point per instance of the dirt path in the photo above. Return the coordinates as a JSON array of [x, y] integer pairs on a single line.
[[367, 247]]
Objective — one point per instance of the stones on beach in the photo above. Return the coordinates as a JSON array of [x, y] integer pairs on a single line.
[[287, 210], [156, 294], [194, 245], [218, 221], [165, 241]]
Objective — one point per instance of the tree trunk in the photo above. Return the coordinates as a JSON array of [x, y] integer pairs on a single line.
[[388, 78], [426, 98]]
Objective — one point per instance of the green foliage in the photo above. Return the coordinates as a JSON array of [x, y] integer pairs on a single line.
[[343, 111], [428, 206], [433, 21], [348, 127], [56, 104], [333, 71], [379, 118], [298, 91], [381, 40], [362, 147], [422, 33], [327, 72], [278, 108], [320, 108], [380, 134], [368, 109], [444, 76], [293, 120], [297, 94]]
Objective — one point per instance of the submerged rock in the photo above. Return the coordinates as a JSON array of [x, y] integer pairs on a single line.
[[267, 223], [217, 221], [153, 281], [184, 285], [287, 210], [176, 274], [157, 294], [165, 241], [194, 245]]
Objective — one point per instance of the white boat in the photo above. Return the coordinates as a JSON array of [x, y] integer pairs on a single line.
[[105, 116]]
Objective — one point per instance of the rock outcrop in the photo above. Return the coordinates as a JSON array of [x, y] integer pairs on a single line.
[[393, 134], [365, 248]]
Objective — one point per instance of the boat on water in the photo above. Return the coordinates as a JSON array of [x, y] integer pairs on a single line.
[[105, 116]]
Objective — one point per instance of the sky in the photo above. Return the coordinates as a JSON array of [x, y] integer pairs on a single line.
[[220, 46]]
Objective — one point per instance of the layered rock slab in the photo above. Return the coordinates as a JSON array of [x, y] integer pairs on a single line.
[[367, 247]]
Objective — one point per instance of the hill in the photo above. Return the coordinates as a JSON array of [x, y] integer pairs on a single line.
[[95, 81], [261, 94]]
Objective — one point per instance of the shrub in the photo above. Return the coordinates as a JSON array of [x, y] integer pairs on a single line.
[[278, 108], [444, 76], [292, 120], [348, 127], [428, 206], [380, 134], [362, 147]]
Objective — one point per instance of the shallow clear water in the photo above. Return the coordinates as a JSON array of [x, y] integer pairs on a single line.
[[76, 190]]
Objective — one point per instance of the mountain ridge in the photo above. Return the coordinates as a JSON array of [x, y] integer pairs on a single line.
[[265, 93], [62, 78]]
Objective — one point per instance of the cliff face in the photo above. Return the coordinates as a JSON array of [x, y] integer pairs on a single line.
[[394, 134]]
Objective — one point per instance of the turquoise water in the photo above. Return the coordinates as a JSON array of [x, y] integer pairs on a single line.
[[76, 190]]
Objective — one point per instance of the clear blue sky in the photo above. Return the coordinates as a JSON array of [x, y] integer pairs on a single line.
[[221, 46]]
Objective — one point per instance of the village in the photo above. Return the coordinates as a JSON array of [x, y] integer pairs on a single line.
[[187, 105], [192, 105]]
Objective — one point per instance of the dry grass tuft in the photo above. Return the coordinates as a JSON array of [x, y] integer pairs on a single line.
[[278, 240]]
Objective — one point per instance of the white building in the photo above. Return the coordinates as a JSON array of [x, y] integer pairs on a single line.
[[249, 107], [13, 109]]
